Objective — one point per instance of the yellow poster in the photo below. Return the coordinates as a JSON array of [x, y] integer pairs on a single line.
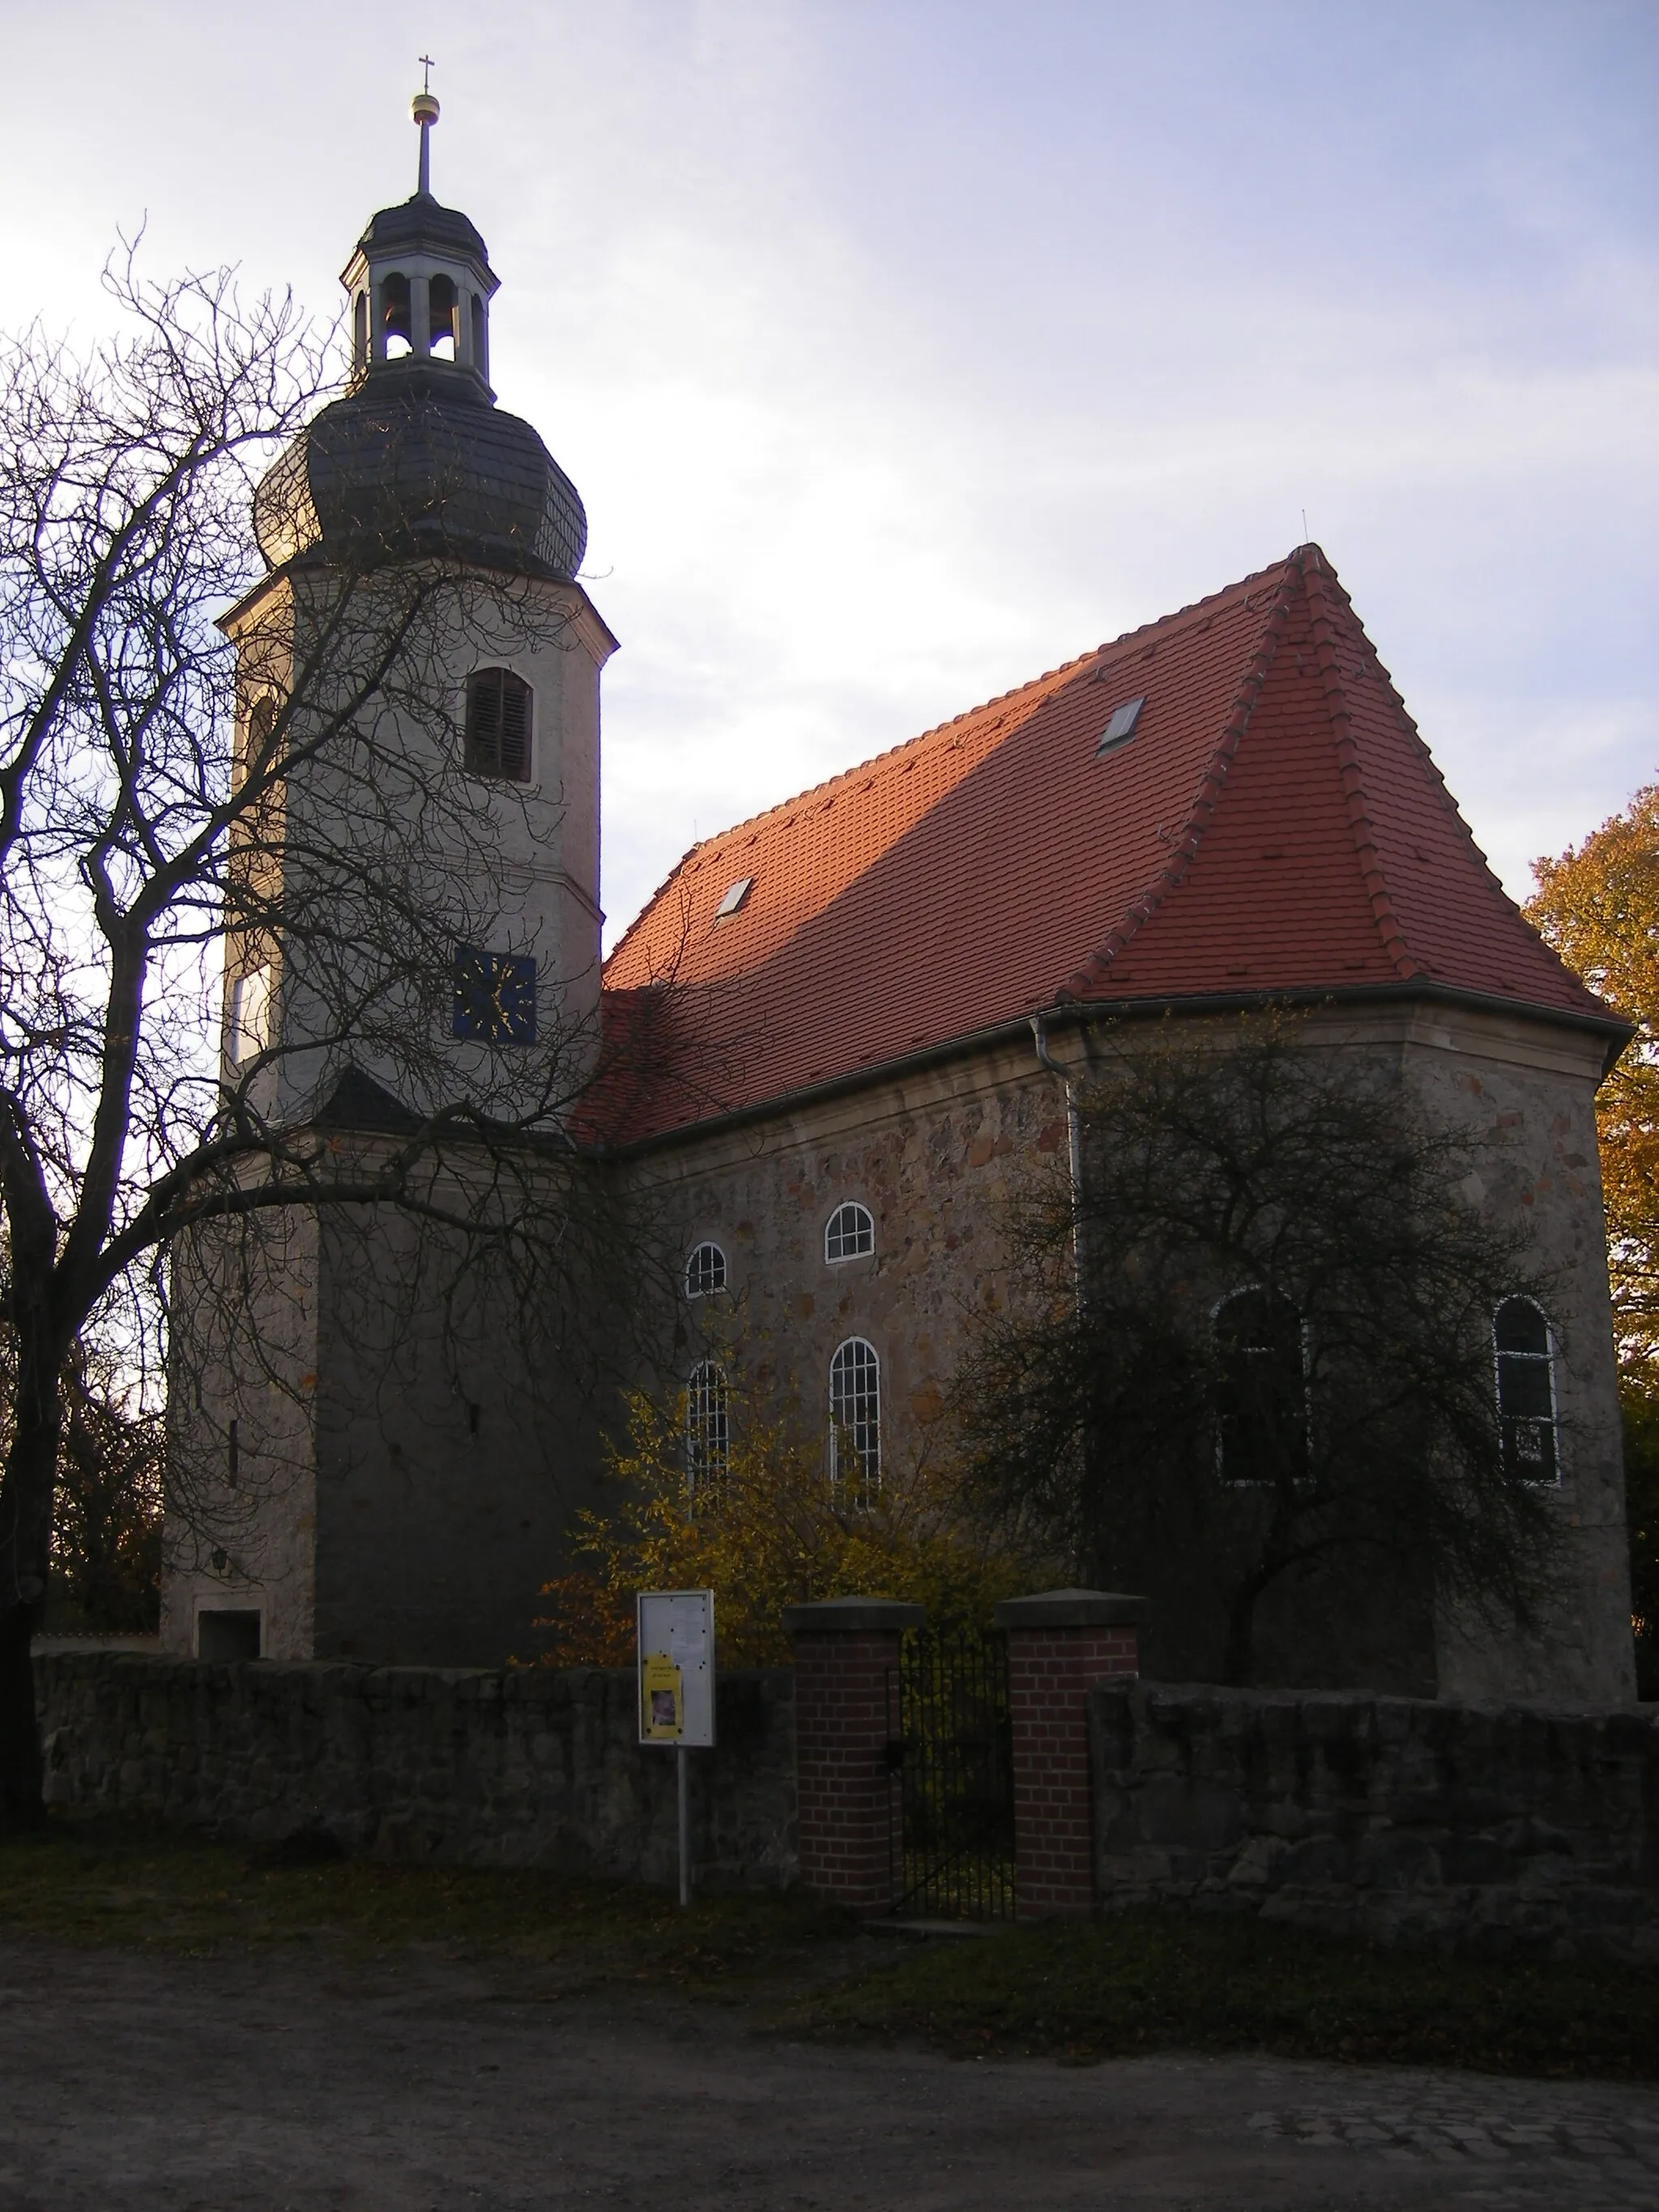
[[662, 1715]]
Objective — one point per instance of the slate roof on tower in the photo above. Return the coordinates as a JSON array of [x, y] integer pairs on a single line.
[[1273, 825]]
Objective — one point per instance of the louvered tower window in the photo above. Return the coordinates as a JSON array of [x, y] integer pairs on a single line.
[[498, 725]]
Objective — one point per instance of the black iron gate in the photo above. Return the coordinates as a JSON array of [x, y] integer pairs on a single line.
[[952, 1750]]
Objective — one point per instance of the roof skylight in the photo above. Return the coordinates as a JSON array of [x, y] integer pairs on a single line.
[[735, 894], [1121, 727]]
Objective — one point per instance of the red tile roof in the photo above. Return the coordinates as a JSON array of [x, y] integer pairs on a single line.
[[1274, 824]]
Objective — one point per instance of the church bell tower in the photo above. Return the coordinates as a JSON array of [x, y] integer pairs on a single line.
[[415, 470], [366, 1461]]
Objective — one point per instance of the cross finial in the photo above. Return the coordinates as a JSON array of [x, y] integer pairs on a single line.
[[424, 110]]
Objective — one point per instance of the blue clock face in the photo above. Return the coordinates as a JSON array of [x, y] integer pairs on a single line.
[[494, 996]]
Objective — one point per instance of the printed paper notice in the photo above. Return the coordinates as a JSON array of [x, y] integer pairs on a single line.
[[662, 1698]]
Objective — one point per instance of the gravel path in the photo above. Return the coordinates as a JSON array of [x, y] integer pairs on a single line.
[[305, 2085]]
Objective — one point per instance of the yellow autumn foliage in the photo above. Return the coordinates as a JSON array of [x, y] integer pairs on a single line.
[[1598, 905], [772, 1530]]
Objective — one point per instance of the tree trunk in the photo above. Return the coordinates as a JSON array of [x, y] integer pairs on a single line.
[[22, 1774], [26, 1500]]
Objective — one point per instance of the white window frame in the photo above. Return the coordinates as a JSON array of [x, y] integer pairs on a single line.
[[864, 1227], [693, 1288], [855, 1413], [707, 1423], [249, 1024], [1245, 1291], [1547, 1357]]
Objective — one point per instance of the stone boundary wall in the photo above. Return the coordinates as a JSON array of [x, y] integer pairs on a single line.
[[1395, 1821], [532, 1767]]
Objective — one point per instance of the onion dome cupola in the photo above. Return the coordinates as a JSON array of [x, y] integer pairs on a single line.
[[416, 460]]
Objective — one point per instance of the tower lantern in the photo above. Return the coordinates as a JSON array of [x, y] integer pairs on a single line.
[[420, 280], [416, 459]]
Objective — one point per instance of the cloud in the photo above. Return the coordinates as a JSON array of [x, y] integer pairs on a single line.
[[902, 350]]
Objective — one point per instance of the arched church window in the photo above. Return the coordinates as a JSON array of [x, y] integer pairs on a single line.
[[1526, 1391], [705, 1271], [1262, 1429], [707, 1423], [850, 1233], [498, 725], [443, 338], [397, 315], [855, 1413]]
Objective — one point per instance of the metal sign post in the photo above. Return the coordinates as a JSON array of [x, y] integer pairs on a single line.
[[677, 1690]]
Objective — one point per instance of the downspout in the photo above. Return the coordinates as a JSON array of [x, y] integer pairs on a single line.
[[1073, 1145]]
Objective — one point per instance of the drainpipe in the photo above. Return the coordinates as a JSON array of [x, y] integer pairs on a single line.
[[1073, 1143]]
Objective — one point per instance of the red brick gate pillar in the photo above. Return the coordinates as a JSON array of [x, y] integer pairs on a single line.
[[847, 1654], [1060, 1643]]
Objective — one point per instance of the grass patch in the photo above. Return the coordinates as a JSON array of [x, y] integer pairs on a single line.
[[1109, 1988], [1123, 1986], [98, 1880]]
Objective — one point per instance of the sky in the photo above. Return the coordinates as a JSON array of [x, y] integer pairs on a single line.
[[902, 350]]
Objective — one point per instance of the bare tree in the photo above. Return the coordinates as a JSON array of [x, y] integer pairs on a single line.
[[1252, 1356], [207, 775], [106, 1534]]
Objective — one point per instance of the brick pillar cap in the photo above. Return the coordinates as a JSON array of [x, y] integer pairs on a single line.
[[1071, 1608], [853, 1616]]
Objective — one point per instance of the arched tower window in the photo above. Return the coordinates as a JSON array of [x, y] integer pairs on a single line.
[[250, 1015], [1261, 1431], [498, 725], [707, 1423], [397, 315], [1526, 1391], [261, 721], [705, 1271], [444, 338], [850, 1234], [855, 1413]]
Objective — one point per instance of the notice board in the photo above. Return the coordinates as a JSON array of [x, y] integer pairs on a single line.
[[677, 1666]]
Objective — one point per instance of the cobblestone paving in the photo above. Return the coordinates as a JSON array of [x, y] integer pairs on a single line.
[[319, 2081], [1593, 2157]]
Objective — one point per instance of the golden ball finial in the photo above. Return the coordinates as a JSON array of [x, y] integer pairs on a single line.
[[423, 108]]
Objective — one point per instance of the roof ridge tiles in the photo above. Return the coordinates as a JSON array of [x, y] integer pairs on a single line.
[[1324, 624], [843, 776], [1083, 982], [1247, 585], [1275, 826], [1331, 586], [1335, 588]]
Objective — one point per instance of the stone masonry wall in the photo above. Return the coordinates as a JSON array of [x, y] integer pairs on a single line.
[[532, 1767], [1396, 1820], [936, 1153]]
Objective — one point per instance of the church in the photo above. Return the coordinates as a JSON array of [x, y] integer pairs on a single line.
[[838, 1029]]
